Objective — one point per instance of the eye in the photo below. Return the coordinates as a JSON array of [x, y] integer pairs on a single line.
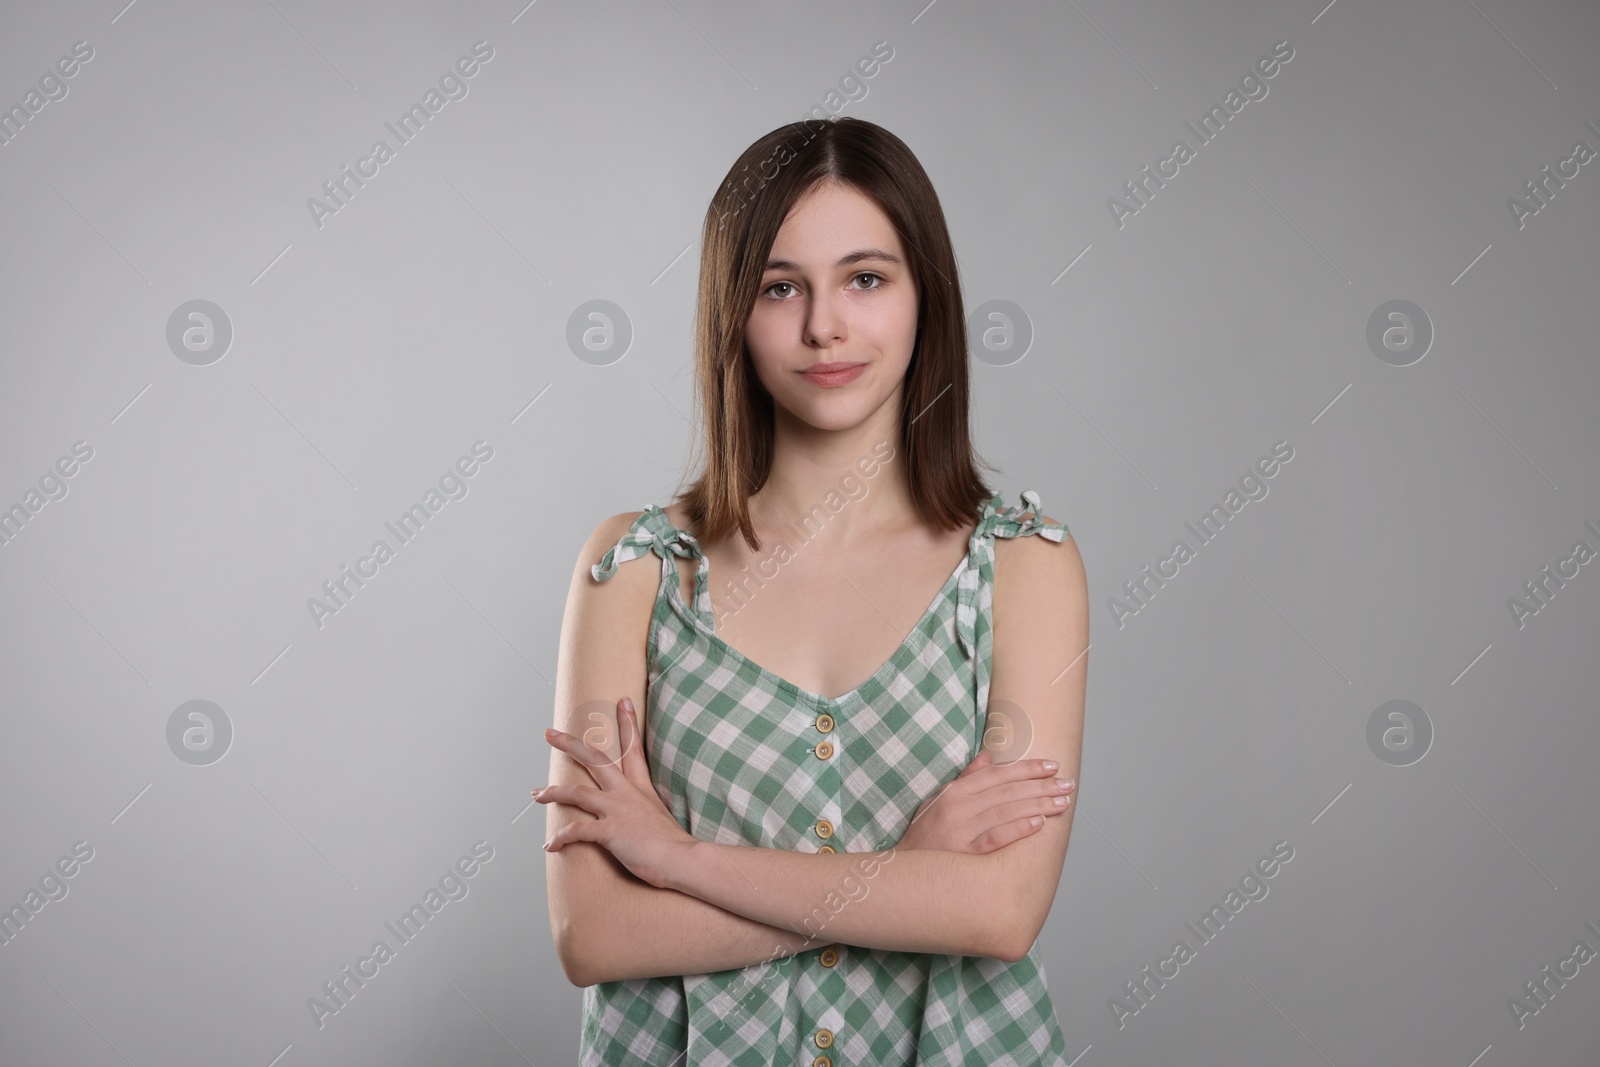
[[767, 292], [869, 274]]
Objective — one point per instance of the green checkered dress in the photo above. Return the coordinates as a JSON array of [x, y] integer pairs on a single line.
[[738, 754]]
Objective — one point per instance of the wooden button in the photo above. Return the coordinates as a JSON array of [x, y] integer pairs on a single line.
[[826, 848], [829, 957], [825, 722], [822, 1061], [824, 749], [824, 1038], [824, 828]]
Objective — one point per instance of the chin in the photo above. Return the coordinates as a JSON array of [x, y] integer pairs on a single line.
[[832, 414]]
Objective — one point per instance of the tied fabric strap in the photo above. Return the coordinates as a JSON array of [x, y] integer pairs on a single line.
[[654, 532], [996, 521]]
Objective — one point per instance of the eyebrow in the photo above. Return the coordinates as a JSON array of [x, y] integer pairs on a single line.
[[844, 261]]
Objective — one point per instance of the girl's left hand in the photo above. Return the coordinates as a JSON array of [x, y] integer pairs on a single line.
[[633, 824]]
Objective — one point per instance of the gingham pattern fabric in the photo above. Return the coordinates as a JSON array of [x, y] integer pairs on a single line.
[[738, 754]]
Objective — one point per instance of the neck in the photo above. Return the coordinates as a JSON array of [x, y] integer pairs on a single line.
[[836, 483]]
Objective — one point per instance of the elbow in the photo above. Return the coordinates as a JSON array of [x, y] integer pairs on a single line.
[[576, 959], [583, 914], [1008, 925], [1018, 931], [1013, 950], [1009, 949]]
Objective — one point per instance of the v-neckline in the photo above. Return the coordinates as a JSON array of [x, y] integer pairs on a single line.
[[893, 662]]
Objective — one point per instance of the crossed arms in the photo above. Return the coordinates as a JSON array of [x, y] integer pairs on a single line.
[[741, 905]]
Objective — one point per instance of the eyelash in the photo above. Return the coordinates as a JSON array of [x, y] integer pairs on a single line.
[[861, 274]]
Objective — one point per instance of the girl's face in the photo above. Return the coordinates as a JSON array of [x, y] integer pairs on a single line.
[[837, 296]]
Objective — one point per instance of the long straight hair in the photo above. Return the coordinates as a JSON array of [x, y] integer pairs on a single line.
[[736, 410]]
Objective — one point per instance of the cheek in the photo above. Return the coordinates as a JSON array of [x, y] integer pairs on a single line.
[[761, 335], [894, 328], [764, 341]]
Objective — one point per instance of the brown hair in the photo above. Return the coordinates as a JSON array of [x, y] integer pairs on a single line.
[[740, 226]]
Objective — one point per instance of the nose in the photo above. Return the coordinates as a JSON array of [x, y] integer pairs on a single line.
[[824, 322]]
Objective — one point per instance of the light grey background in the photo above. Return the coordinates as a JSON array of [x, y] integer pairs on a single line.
[[368, 354]]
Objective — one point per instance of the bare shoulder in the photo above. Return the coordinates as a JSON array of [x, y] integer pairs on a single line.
[[1040, 619], [605, 536], [628, 591], [1037, 556], [606, 625], [1036, 576]]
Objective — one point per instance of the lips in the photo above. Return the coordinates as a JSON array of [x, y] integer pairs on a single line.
[[830, 375]]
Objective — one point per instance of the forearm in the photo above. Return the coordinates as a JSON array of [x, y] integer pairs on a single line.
[[898, 900], [620, 927]]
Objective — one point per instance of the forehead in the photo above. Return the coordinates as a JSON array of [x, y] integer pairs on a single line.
[[830, 221]]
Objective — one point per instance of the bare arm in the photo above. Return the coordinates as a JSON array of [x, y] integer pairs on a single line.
[[900, 900], [641, 931], [933, 901], [606, 923]]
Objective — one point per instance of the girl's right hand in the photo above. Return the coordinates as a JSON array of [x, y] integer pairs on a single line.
[[988, 806]]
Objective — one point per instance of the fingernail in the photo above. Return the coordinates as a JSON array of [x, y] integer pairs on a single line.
[[549, 734], [1051, 765], [535, 794], [547, 846], [627, 702]]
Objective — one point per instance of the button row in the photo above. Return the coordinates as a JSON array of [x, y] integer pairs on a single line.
[[829, 956], [824, 749]]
